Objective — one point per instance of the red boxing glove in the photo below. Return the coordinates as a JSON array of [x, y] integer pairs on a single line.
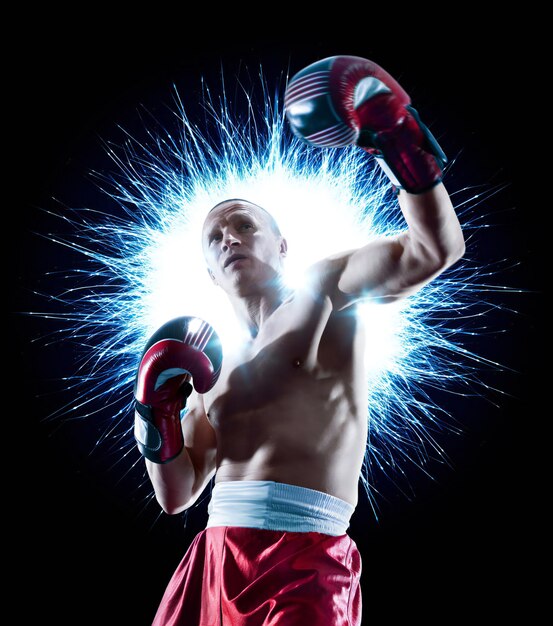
[[184, 348], [344, 100]]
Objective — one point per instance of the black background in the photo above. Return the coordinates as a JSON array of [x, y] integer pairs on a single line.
[[466, 544]]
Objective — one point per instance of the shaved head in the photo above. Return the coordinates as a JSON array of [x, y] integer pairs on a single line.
[[239, 202]]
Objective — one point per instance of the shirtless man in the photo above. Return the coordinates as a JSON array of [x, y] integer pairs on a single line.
[[282, 425]]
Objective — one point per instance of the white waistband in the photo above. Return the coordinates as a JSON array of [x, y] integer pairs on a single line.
[[268, 505]]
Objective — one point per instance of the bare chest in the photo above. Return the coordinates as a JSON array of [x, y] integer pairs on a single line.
[[299, 350]]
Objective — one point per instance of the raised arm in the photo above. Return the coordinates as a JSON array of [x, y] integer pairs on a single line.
[[346, 100], [394, 267]]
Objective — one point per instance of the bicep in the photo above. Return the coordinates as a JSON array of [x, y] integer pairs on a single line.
[[386, 270], [378, 270], [393, 267]]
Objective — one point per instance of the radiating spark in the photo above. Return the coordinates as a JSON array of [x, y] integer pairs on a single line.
[[146, 267]]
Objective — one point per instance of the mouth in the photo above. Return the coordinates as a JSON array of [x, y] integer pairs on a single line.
[[233, 258]]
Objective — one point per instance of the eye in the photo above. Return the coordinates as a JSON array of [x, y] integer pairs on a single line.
[[215, 237], [246, 226]]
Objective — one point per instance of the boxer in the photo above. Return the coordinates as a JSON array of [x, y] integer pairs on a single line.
[[281, 424]]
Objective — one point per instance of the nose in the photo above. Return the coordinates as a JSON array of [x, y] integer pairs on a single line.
[[230, 240]]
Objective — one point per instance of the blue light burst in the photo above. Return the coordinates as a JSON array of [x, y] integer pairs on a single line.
[[145, 266]]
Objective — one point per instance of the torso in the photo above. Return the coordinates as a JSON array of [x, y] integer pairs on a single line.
[[292, 407]]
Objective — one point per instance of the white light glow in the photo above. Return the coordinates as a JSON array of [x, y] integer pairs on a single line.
[[325, 201]]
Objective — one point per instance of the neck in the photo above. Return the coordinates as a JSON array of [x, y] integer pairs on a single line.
[[254, 310]]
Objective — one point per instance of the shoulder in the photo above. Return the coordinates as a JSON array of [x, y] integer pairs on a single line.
[[325, 271], [323, 278]]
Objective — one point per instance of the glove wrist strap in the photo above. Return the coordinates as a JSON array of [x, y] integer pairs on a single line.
[[408, 153], [158, 442]]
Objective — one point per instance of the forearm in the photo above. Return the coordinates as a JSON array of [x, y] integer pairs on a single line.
[[174, 483], [180, 452], [434, 233]]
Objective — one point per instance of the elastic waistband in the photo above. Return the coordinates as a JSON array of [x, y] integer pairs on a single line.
[[268, 505]]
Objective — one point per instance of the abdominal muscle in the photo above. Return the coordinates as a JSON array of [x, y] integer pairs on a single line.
[[282, 419], [291, 407]]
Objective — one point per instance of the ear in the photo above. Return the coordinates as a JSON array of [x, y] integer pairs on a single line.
[[283, 247], [212, 276]]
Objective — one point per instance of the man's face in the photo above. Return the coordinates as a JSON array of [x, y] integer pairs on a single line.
[[243, 252]]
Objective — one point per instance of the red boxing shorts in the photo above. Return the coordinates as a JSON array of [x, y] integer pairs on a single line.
[[247, 576]]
